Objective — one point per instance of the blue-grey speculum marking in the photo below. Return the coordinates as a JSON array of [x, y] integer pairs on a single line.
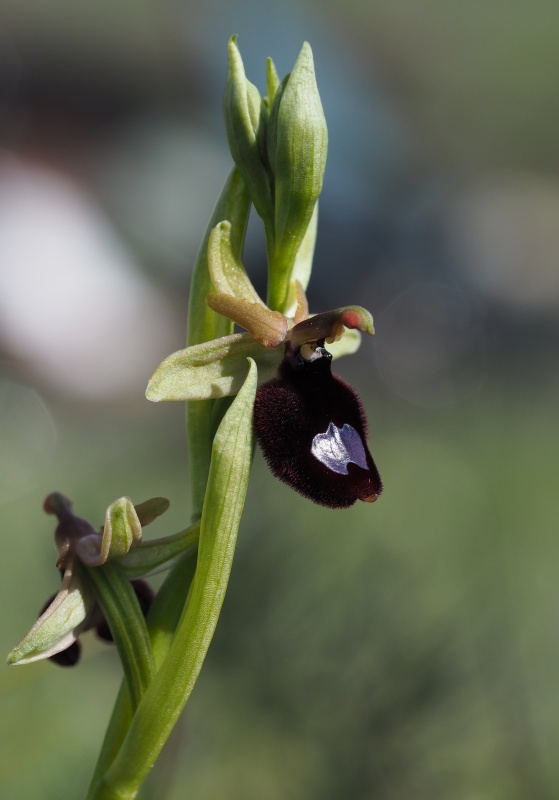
[[337, 447]]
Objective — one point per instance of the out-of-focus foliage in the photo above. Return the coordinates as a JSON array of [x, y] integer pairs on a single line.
[[407, 649]]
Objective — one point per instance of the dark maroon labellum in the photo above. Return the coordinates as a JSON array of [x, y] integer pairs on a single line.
[[312, 430]]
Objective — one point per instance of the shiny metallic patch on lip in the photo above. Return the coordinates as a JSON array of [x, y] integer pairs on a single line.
[[337, 447]]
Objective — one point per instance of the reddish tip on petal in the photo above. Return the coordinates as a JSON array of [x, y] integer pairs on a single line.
[[329, 325], [351, 319]]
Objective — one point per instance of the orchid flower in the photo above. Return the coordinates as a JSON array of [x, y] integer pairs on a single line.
[[81, 549], [310, 424]]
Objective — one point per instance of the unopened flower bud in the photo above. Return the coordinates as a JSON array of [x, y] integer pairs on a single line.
[[296, 146], [245, 123]]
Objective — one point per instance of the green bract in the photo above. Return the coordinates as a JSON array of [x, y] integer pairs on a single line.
[[173, 683]]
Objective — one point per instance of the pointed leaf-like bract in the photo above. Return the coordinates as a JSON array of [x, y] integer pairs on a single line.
[[172, 684]]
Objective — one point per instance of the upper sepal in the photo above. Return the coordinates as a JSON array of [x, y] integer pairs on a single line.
[[267, 327], [226, 270]]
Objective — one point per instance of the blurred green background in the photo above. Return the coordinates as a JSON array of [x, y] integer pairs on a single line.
[[409, 649]]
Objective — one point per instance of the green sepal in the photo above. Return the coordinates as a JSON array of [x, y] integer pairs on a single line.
[[210, 370], [235, 296], [233, 205], [59, 625], [226, 269], [297, 144], [245, 123]]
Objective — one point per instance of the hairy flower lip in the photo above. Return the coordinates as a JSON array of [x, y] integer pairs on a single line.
[[312, 430]]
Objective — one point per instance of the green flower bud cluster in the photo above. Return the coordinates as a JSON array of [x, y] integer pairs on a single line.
[[279, 144]]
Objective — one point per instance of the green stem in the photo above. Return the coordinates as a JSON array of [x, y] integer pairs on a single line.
[[121, 609], [114, 737], [162, 620]]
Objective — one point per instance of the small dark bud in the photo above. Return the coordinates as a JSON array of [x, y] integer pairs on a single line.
[[312, 430], [103, 631], [144, 593]]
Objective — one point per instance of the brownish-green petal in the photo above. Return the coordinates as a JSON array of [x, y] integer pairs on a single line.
[[151, 509]]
